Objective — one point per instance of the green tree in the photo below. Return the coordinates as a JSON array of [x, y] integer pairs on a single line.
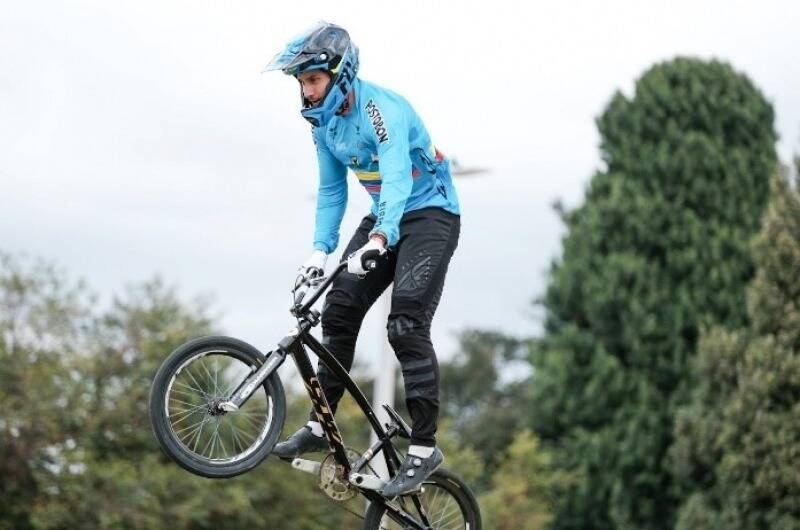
[[483, 395], [76, 447], [525, 488], [42, 321], [658, 250], [738, 443]]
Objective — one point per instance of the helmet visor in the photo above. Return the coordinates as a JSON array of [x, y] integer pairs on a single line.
[[319, 44], [289, 62]]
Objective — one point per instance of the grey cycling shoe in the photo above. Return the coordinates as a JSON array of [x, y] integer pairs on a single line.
[[300, 443], [412, 474]]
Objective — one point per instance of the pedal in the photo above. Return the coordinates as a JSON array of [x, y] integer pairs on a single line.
[[369, 482], [307, 466]]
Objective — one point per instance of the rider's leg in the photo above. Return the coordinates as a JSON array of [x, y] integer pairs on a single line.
[[428, 239]]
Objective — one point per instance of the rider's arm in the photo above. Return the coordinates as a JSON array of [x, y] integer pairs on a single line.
[[331, 197], [389, 126]]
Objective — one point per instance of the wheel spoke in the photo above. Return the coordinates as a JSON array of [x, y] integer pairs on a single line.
[[196, 390], [222, 445], [449, 513], [236, 439], [249, 418], [189, 372], [443, 510], [451, 521], [256, 413], [216, 377], [187, 428], [208, 374], [191, 405], [215, 437], [197, 439], [186, 414], [218, 437], [434, 503], [243, 433], [210, 443]]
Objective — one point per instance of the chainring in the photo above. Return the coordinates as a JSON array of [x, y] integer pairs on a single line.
[[331, 479]]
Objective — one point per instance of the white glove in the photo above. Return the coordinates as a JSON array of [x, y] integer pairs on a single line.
[[372, 250], [315, 265]]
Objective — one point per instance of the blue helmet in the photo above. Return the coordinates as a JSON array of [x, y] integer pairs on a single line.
[[324, 47]]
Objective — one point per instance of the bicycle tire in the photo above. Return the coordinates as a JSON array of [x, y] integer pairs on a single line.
[[169, 392], [457, 510]]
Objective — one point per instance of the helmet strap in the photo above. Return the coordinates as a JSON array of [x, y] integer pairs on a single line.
[[347, 103]]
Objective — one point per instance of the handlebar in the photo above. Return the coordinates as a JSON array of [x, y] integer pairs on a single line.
[[369, 262], [298, 310]]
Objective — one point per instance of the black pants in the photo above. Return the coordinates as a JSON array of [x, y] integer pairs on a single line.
[[417, 265]]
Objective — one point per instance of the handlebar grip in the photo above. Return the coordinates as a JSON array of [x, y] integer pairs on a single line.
[[369, 260]]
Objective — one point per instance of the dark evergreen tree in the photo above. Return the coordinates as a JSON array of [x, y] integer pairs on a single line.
[[738, 442], [658, 250]]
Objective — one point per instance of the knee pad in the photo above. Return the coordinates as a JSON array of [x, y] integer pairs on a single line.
[[412, 345], [340, 321], [405, 332]]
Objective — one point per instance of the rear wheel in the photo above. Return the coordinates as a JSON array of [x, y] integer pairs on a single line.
[[447, 502], [189, 426]]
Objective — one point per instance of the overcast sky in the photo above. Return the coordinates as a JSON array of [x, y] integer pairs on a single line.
[[140, 137]]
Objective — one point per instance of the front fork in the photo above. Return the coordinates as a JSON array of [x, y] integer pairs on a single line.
[[275, 358], [254, 380]]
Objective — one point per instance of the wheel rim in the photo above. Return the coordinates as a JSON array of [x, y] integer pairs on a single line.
[[442, 509], [216, 438]]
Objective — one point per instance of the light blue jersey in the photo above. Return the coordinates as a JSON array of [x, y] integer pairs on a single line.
[[385, 143]]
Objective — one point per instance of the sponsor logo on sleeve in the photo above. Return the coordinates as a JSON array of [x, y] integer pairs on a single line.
[[381, 214], [374, 114]]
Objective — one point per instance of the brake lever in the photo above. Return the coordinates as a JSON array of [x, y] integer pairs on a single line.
[[303, 284]]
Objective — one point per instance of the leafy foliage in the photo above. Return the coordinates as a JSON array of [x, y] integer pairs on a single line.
[[76, 446], [526, 488], [737, 443], [658, 251], [480, 399]]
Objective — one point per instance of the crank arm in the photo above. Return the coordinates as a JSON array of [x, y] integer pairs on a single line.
[[307, 466], [368, 482]]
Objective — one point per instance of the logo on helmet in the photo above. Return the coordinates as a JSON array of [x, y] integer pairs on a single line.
[[374, 114]]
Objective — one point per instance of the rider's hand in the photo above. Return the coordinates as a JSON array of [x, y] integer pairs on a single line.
[[374, 248], [315, 265]]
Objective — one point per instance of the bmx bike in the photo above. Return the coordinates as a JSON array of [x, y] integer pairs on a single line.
[[217, 407]]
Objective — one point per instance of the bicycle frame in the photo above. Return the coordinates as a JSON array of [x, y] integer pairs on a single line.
[[295, 343]]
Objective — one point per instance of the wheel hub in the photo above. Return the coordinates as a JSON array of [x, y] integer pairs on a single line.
[[214, 408]]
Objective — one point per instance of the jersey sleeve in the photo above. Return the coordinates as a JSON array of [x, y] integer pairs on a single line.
[[331, 198], [390, 128]]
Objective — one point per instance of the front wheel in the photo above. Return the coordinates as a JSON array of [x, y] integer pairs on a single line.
[[187, 422], [447, 504]]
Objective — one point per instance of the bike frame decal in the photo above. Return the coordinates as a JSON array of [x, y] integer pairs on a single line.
[[322, 409]]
